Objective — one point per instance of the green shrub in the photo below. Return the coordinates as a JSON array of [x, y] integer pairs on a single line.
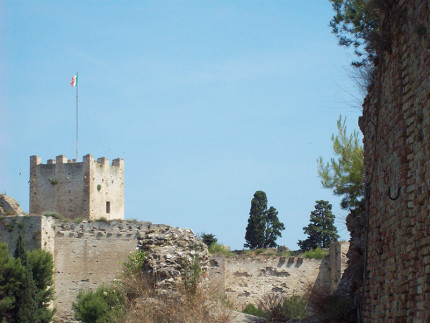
[[317, 253], [78, 220], [295, 306], [135, 261], [272, 305], [191, 276], [105, 305], [102, 219], [251, 309], [218, 249], [54, 215], [53, 181], [331, 308]]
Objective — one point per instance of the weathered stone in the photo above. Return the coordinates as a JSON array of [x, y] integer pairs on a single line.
[[170, 254], [9, 206]]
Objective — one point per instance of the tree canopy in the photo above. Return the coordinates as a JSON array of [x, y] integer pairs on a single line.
[[26, 284], [345, 173], [208, 238], [263, 226], [357, 23], [321, 230]]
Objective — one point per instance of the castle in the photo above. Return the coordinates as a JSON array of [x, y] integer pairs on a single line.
[[91, 189], [89, 251]]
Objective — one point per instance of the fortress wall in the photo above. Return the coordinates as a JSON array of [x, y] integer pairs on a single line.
[[247, 279], [107, 186], [338, 262], [90, 254], [396, 128], [216, 274]]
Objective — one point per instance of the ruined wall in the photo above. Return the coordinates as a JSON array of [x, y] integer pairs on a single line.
[[86, 254], [396, 128], [247, 279], [89, 254], [90, 189]]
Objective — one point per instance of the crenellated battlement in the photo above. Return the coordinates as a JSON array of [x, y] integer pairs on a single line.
[[91, 189], [87, 159]]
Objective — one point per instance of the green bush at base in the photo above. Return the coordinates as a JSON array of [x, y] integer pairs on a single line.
[[104, 305]]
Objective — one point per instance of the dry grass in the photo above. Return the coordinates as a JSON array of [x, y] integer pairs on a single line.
[[329, 307], [146, 305]]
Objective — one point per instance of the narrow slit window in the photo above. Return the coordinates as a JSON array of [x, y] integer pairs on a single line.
[[107, 207]]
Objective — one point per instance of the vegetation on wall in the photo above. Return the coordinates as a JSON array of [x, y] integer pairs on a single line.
[[264, 226], [132, 298], [365, 25], [275, 308]]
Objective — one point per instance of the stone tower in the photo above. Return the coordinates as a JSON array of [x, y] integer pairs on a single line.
[[90, 189]]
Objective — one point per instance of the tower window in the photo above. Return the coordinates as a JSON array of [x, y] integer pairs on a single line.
[[107, 207]]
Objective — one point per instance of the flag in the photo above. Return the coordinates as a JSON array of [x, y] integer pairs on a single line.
[[74, 80]]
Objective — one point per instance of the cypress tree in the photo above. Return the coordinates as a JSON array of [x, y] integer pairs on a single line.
[[26, 309], [264, 226]]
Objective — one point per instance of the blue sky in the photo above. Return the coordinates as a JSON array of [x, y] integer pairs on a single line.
[[206, 101]]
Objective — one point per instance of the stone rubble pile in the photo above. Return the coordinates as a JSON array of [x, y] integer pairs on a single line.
[[170, 255], [9, 206]]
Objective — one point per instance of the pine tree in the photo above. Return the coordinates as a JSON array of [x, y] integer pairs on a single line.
[[345, 175], [321, 230], [208, 238], [264, 226], [12, 274], [33, 298]]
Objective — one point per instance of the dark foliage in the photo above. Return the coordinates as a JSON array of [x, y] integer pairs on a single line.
[[321, 230], [208, 239], [263, 226]]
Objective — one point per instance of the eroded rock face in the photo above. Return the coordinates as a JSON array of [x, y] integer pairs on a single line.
[[9, 206], [171, 255], [352, 279]]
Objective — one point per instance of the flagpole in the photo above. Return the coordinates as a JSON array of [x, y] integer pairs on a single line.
[[77, 114]]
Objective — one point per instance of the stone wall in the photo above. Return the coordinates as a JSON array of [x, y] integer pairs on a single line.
[[89, 254], [90, 189], [86, 254], [247, 279], [396, 128]]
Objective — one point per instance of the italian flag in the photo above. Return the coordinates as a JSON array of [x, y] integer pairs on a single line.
[[74, 80]]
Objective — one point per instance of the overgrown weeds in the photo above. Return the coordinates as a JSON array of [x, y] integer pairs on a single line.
[[329, 307], [276, 308], [55, 215], [143, 303], [317, 253], [218, 249]]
